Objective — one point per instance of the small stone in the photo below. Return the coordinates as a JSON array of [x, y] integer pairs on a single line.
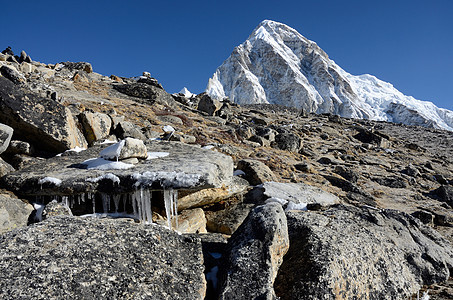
[[6, 134], [288, 141]]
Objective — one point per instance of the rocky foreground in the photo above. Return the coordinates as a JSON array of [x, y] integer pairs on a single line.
[[113, 188]]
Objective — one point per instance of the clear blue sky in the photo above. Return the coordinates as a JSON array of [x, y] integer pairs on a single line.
[[181, 43]]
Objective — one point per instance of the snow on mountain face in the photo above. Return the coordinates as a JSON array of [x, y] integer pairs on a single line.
[[277, 65]]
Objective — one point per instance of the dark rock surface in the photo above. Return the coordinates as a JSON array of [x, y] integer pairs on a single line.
[[148, 93], [71, 257], [42, 121], [352, 252], [256, 251]]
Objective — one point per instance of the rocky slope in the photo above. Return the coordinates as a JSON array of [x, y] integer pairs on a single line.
[[277, 65], [301, 204]]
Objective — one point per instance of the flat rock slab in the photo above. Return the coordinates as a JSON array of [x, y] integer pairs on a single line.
[[348, 252], [76, 258], [299, 193], [186, 167]]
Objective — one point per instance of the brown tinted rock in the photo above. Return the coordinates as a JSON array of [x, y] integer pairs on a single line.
[[192, 221], [255, 171], [227, 221], [96, 126], [5, 167], [14, 212]]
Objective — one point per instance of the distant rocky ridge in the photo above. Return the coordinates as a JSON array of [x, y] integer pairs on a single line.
[[277, 65], [299, 204]]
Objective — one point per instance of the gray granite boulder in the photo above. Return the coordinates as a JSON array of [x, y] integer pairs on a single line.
[[256, 251], [14, 212], [76, 258], [348, 252]]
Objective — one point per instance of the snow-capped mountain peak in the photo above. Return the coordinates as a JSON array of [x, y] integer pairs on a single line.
[[277, 65]]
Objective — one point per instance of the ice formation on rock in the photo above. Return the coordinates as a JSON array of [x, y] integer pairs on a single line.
[[277, 65]]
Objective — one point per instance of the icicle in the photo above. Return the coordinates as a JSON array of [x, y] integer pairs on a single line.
[[105, 203], [170, 201], [93, 201], [116, 200], [65, 200]]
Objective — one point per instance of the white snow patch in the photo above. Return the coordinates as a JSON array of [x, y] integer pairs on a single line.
[[113, 151], [107, 141], [277, 200], [168, 129], [154, 155], [39, 209], [238, 173], [53, 180], [103, 164], [187, 93], [208, 147], [296, 206], [110, 176]]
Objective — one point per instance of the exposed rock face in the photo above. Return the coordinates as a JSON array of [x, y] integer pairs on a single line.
[[256, 251], [12, 74], [298, 193], [277, 65], [255, 171], [5, 167], [42, 121], [145, 91], [14, 213], [208, 104], [353, 252], [6, 133], [100, 259], [96, 125]]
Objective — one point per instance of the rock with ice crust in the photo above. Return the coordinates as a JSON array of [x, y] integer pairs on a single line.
[[185, 167]]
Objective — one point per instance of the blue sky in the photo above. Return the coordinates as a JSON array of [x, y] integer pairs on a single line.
[[406, 42]]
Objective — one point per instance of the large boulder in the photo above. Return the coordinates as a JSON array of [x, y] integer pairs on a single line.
[[208, 104], [298, 193], [14, 212], [176, 165], [6, 133], [12, 74], [348, 252], [256, 172], [256, 251], [71, 257], [148, 93], [96, 125], [40, 121]]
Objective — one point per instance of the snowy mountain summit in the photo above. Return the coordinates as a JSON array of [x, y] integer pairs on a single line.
[[277, 65]]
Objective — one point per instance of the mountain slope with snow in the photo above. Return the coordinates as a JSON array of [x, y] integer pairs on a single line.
[[277, 65]]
